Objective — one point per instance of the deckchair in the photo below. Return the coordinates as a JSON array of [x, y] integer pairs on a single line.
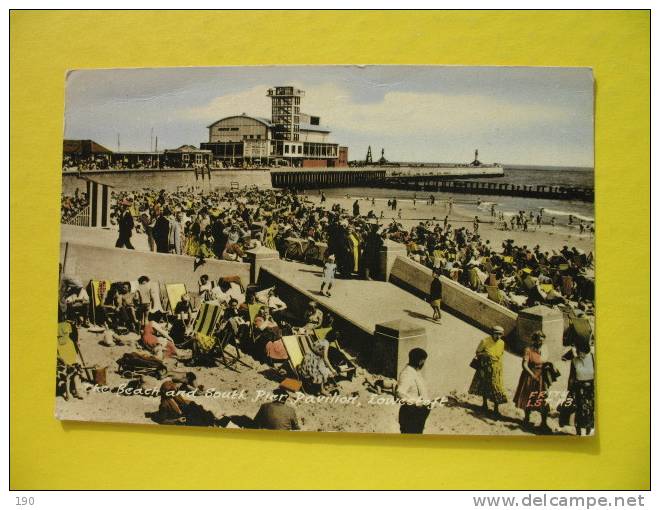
[[98, 290], [174, 292], [293, 349], [253, 311], [205, 324]]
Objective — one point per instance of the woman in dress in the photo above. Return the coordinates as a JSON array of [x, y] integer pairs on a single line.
[[354, 240], [315, 366], [271, 233], [487, 381], [531, 392]]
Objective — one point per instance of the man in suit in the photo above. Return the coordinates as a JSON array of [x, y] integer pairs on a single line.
[[125, 226]]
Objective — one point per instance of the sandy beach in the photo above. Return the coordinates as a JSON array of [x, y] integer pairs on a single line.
[[237, 395]]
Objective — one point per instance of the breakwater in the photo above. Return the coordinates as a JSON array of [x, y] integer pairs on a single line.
[[440, 185]]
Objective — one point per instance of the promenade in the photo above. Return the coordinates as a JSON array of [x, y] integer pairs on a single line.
[[451, 344]]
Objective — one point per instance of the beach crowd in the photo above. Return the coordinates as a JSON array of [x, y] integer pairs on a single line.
[[347, 244]]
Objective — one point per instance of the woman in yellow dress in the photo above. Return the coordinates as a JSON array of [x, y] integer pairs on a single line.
[[487, 381], [271, 232], [355, 248]]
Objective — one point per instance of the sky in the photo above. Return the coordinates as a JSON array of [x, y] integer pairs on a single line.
[[514, 115]]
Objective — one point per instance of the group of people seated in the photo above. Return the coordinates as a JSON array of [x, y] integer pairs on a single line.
[[514, 276], [251, 320], [72, 204]]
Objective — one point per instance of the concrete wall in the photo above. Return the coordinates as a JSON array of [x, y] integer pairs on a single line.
[[168, 179], [357, 340], [466, 303], [93, 262]]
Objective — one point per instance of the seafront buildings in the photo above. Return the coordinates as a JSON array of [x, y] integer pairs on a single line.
[[289, 138]]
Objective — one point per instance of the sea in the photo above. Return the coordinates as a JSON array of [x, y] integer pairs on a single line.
[[517, 175]]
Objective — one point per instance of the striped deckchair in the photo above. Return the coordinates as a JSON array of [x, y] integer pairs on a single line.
[[205, 323], [99, 291]]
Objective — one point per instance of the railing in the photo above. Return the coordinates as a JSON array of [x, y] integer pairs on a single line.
[[81, 218]]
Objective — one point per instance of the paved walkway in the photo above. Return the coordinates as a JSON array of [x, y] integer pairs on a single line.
[[367, 303], [103, 237]]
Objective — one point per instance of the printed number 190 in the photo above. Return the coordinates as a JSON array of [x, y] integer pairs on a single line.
[[23, 500]]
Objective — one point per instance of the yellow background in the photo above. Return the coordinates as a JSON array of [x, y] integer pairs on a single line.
[[48, 454]]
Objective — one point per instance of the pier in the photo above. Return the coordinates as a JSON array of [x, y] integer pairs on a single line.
[[326, 178], [437, 183]]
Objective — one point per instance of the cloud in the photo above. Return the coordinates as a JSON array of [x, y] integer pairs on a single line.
[[407, 113], [252, 101]]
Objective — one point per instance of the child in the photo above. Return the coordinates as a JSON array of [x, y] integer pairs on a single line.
[[328, 275]]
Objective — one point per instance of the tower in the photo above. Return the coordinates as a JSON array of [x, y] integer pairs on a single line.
[[476, 161], [382, 160], [368, 160], [285, 113]]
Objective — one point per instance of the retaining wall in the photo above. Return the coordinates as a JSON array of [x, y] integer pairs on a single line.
[[469, 305], [92, 262], [169, 180]]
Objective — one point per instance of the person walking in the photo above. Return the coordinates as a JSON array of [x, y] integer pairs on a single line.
[[329, 271], [161, 233], [371, 254], [487, 381], [356, 208], [435, 296], [126, 225]]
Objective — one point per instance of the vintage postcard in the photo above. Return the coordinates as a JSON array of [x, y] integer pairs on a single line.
[[384, 249]]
